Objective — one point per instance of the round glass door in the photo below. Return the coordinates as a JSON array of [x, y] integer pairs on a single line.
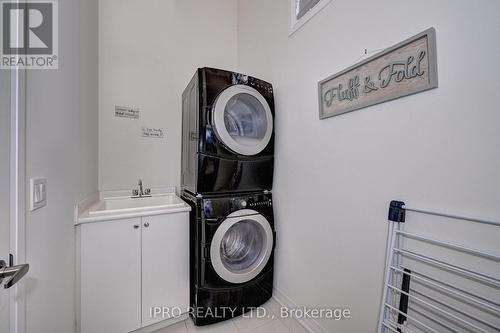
[[243, 120], [241, 246]]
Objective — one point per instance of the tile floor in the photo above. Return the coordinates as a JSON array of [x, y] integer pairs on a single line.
[[270, 324]]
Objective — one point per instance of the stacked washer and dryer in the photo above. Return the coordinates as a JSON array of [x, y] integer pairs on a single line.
[[227, 175]]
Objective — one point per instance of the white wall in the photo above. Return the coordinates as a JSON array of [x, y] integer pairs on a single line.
[[89, 89], [148, 51], [334, 178], [61, 146]]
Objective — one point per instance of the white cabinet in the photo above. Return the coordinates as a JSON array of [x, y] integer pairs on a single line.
[[165, 266], [110, 276], [128, 266]]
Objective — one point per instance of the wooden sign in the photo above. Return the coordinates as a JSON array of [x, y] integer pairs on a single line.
[[407, 68]]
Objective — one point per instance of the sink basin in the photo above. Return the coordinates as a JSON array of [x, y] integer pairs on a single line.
[[131, 205]]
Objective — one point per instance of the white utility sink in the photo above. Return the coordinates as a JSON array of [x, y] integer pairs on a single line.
[[124, 205]]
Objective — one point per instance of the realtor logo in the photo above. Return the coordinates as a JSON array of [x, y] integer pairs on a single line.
[[29, 34]]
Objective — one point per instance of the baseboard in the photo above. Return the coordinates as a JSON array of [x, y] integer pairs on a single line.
[[162, 324], [309, 324]]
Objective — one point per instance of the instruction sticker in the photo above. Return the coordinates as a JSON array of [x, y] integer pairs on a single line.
[[126, 112], [150, 132]]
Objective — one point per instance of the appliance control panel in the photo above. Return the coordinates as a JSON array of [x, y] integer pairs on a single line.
[[253, 201], [223, 206], [252, 82], [267, 203]]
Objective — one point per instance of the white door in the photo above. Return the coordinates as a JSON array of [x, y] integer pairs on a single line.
[[111, 276], [243, 120], [241, 246], [4, 190], [165, 266], [12, 268]]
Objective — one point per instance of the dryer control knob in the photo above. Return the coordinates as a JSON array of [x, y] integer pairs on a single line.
[[243, 203]]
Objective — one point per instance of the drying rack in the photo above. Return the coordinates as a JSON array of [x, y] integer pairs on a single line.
[[439, 284]]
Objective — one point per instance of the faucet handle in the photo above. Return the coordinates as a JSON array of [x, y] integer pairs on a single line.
[[147, 191], [135, 193]]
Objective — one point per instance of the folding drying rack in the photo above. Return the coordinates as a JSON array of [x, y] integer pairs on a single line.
[[436, 283]]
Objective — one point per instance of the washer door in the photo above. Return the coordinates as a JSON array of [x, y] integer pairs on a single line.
[[243, 120], [241, 246]]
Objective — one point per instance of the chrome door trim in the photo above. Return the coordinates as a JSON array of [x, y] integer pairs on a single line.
[[232, 219], [220, 127]]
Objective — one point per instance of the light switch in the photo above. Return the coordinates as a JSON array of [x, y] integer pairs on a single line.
[[38, 190]]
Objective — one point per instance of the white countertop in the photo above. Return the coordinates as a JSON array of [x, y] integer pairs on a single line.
[[93, 209]]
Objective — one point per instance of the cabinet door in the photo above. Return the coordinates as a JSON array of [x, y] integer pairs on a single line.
[[110, 276], [165, 266]]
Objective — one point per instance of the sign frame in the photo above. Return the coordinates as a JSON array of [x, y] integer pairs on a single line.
[[432, 75]]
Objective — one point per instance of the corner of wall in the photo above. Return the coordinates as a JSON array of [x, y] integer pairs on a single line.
[[310, 324]]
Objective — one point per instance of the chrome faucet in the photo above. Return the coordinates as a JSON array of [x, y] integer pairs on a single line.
[[141, 192]]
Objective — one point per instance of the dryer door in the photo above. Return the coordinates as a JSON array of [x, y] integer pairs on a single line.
[[241, 246], [243, 120]]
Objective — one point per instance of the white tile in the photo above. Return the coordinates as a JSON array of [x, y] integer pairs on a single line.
[[223, 327], [175, 328], [274, 326], [293, 325], [274, 306], [253, 319]]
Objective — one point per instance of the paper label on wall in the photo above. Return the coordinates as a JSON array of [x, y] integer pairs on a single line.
[[126, 112], [151, 132]]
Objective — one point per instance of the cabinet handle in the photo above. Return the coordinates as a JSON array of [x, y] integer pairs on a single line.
[[136, 226], [146, 224]]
